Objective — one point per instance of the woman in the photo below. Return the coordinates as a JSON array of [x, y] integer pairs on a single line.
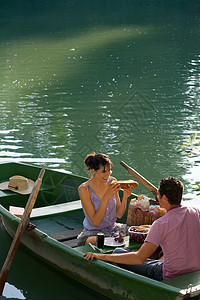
[[100, 200]]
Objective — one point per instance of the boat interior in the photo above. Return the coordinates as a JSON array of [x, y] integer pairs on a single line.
[[57, 211]]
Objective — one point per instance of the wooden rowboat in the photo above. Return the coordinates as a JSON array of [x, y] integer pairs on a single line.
[[58, 217]]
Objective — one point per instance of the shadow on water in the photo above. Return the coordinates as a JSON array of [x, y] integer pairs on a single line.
[[67, 17]]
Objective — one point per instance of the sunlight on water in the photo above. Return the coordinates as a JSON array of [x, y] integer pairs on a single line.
[[60, 57], [11, 292]]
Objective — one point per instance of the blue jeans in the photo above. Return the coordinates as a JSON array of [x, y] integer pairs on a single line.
[[151, 268]]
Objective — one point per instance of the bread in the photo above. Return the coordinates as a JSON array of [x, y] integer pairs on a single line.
[[124, 183]]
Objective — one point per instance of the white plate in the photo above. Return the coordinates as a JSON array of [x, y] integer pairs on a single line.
[[110, 242]]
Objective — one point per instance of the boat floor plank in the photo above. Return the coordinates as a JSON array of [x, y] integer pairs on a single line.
[[66, 235], [71, 243]]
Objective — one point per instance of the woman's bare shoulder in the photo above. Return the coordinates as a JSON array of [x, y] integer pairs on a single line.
[[83, 186]]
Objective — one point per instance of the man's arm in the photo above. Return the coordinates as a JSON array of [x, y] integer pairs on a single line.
[[129, 258]]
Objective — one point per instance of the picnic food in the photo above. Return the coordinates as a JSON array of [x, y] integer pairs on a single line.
[[141, 212], [124, 183], [142, 202], [119, 238], [138, 233]]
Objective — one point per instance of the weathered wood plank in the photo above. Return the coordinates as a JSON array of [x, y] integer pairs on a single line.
[[71, 243], [66, 235]]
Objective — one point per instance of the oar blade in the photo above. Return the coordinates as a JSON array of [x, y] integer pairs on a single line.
[[140, 178]]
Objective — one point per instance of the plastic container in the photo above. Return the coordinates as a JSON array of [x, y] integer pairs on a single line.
[[138, 234]]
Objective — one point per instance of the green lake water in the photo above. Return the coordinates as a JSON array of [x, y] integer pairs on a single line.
[[119, 77]]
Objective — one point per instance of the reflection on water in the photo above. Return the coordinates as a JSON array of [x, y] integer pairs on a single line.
[[119, 77], [124, 84], [11, 292]]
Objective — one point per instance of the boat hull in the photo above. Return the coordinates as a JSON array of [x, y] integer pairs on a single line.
[[107, 279], [104, 278]]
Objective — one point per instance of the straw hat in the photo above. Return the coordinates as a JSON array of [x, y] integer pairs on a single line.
[[18, 184]]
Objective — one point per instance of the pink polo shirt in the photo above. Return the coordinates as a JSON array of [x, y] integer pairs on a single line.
[[178, 234]]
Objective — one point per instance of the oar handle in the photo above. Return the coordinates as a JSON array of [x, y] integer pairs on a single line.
[[20, 229], [32, 198], [140, 178]]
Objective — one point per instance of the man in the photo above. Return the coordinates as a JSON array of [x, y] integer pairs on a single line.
[[177, 233]]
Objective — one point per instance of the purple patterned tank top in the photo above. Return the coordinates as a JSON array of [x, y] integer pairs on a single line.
[[108, 223]]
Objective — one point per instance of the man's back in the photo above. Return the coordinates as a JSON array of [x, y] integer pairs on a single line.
[[178, 234]]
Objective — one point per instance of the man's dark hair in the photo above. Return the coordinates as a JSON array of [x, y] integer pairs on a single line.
[[172, 188]]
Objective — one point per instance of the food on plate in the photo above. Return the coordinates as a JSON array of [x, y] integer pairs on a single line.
[[119, 238], [124, 183]]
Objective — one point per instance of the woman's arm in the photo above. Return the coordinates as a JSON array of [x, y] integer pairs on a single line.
[[121, 205], [96, 217]]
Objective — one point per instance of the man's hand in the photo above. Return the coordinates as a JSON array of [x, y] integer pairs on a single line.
[[91, 256]]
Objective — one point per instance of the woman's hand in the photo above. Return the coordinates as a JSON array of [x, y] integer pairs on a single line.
[[121, 206], [128, 191], [112, 190]]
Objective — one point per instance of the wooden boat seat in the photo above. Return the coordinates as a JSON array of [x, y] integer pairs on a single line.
[[68, 237], [57, 209]]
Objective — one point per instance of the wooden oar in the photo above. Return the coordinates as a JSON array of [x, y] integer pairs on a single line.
[[140, 178], [21, 227]]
